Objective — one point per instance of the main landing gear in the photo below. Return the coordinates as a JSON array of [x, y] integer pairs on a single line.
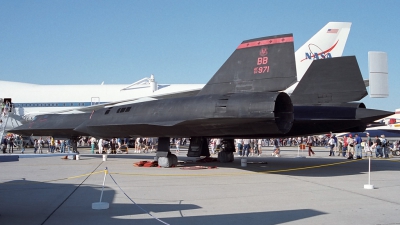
[[198, 147]]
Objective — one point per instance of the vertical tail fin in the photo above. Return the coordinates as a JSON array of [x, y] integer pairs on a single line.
[[329, 42], [262, 64], [335, 80]]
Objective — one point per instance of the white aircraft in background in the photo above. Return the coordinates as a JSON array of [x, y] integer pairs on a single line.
[[388, 126], [29, 100], [393, 119]]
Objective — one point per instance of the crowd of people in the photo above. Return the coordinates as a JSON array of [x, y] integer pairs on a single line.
[[354, 147], [345, 146], [10, 141]]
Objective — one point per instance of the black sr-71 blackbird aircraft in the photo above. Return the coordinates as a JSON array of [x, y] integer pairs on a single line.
[[244, 99]]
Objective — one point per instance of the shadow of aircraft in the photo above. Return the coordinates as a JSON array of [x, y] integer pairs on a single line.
[[31, 202], [265, 218]]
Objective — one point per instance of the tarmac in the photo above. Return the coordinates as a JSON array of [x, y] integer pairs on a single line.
[[269, 190]]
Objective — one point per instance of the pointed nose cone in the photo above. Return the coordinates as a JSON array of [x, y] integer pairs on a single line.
[[370, 115], [23, 130]]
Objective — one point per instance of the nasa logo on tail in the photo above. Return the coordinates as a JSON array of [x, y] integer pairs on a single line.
[[316, 52]]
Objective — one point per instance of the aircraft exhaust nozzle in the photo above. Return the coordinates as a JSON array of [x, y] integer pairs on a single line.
[[378, 75]]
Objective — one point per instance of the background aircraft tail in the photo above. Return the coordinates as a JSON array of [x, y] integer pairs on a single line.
[[257, 65], [335, 80], [329, 42]]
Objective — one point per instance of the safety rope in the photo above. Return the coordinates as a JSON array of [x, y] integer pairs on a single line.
[[136, 203]]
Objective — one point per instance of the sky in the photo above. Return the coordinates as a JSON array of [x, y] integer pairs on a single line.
[[181, 41]]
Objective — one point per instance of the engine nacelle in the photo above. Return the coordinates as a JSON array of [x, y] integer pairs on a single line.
[[276, 107]]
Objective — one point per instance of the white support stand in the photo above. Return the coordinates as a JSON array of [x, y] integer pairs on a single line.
[[369, 185], [243, 162], [100, 204], [104, 157], [71, 156], [298, 151]]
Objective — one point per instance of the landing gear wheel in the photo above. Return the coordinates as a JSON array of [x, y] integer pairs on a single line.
[[225, 156], [397, 152], [169, 161]]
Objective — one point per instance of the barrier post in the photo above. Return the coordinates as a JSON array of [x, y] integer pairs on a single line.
[[100, 204], [369, 185], [300, 146]]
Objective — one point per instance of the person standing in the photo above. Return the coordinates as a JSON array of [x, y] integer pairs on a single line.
[[345, 145], [35, 146], [177, 144], [378, 145], [276, 152], [335, 149], [137, 145], [239, 143], [48, 144], [52, 144], [350, 142], [218, 144], [340, 146], [92, 144], [40, 145], [357, 142], [113, 143], [246, 147], [259, 143], [384, 147], [119, 143], [213, 143], [4, 145], [62, 146], [7, 138], [309, 144], [68, 145], [331, 144], [10, 144], [252, 150], [151, 143], [20, 143]]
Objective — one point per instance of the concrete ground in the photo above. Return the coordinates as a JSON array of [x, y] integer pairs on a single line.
[[270, 190]]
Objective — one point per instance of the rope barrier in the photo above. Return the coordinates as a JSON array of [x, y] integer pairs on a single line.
[[136, 203]]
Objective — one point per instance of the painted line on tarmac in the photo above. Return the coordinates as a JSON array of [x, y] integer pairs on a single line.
[[308, 167], [239, 173], [73, 177]]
